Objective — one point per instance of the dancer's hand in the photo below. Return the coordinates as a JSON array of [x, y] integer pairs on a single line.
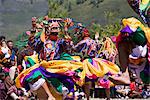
[[51, 98]]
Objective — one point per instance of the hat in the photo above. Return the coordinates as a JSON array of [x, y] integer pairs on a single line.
[[33, 19], [133, 23]]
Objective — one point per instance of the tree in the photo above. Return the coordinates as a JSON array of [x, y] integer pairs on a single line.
[[95, 3], [80, 1], [107, 30], [69, 6], [31, 1], [56, 9]]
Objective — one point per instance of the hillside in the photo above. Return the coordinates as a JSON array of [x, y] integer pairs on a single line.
[[108, 11], [15, 15]]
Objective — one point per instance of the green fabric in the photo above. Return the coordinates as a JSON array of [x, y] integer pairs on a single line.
[[144, 78], [1, 69], [40, 20], [78, 70], [55, 82], [139, 37], [38, 34], [34, 76], [22, 40], [6, 74], [90, 60], [45, 22], [144, 7], [28, 65], [31, 62], [65, 56]]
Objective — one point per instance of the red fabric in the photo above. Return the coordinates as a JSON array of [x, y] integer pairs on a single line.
[[118, 39], [104, 83], [53, 38], [132, 86], [86, 33], [20, 68]]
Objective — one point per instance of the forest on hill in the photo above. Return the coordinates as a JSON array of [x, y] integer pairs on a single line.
[[105, 14]]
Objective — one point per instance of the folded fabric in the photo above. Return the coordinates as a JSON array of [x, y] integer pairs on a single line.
[[37, 84], [127, 30], [138, 52], [147, 33], [133, 23], [104, 83], [139, 37], [66, 72], [141, 7]]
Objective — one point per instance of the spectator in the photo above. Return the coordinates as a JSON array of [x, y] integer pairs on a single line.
[[13, 52]]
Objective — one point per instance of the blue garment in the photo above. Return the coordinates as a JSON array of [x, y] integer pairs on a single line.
[[12, 57]]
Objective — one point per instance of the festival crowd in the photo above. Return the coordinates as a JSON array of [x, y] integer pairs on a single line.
[[51, 64]]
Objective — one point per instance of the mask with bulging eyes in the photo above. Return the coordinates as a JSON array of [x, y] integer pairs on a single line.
[[54, 27], [55, 30]]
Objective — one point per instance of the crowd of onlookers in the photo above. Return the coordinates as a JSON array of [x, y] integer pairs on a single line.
[[12, 60], [9, 70]]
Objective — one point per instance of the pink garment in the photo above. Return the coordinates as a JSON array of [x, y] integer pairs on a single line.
[[28, 33], [6, 70], [91, 76], [104, 83], [69, 73], [113, 38], [148, 54], [95, 64]]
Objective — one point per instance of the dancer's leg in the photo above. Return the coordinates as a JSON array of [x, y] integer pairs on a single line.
[[107, 91], [120, 80], [50, 97], [86, 88], [124, 49]]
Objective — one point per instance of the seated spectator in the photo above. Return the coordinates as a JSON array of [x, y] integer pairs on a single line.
[[14, 51]]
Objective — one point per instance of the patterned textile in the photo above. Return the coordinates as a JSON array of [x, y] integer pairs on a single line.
[[66, 72], [142, 7]]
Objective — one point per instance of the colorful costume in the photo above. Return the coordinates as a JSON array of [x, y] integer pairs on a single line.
[[141, 7], [133, 34], [61, 69]]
